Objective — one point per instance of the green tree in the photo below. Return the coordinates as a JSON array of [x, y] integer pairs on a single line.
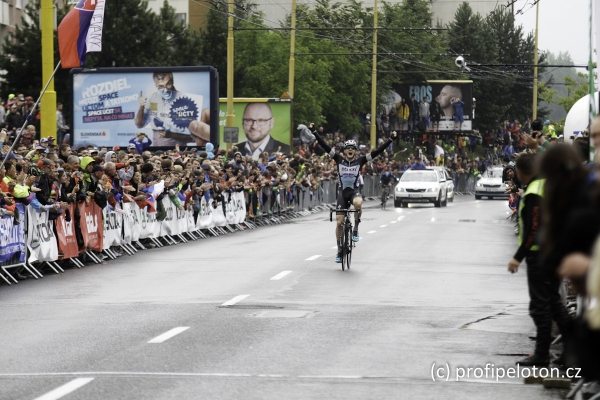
[[576, 88]]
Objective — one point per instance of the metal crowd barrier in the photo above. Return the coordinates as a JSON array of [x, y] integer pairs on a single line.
[[464, 183]]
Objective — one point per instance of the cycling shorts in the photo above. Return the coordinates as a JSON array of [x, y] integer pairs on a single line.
[[345, 198]]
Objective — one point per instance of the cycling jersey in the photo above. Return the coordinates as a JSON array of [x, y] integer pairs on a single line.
[[386, 178], [349, 171]]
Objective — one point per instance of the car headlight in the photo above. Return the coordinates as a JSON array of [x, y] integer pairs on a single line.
[[430, 189], [400, 189], [479, 184]]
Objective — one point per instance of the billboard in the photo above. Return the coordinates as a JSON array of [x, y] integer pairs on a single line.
[[261, 125], [170, 105], [444, 98]]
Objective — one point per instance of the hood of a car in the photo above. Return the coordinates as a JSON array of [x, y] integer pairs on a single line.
[[417, 185], [490, 181]]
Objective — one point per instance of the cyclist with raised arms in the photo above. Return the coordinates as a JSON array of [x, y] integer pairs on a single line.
[[349, 166]]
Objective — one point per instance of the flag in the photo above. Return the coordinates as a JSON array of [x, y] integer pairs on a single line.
[[80, 32]]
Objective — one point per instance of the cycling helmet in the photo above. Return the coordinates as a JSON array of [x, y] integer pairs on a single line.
[[350, 143]]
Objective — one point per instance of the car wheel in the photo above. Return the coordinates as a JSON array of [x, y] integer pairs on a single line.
[[452, 198], [438, 202], [477, 197], [397, 203]]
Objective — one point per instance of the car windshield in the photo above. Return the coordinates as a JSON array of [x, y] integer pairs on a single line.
[[419, 176], [493, 173]]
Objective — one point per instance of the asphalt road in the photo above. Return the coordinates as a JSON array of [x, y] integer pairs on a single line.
[[267, 314]]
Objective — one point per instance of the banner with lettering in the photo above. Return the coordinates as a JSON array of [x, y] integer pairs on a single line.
[[205, 219], [65, 233], [113, 228], [169, 226], [150, 225], [41, 241], [12, 237], [219, 215], [91, 225], [235, 208], [132, 222]]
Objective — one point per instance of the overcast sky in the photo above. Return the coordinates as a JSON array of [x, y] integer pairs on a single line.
[[564, 26]]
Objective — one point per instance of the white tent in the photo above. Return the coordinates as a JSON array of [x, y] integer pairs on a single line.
[[578, 117]]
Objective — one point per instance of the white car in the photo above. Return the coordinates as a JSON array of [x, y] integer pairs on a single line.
[[421, 186], [490, 184], [449, 182]]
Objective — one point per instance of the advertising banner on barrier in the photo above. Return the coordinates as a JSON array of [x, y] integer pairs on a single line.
[[236, 209], [205, 216], [132, 222], [65, 232], [113, 228], [90, 222], [218, 216], [41, 241], [169, 226], [150, 225], [12, 237]]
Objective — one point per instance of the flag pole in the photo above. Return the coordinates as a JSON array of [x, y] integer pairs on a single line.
[[30, 114]]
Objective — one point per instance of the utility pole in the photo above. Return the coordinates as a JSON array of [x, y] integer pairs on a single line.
[[48, 101], [535, 61], [292, 62], [374, 79], [229, 121]]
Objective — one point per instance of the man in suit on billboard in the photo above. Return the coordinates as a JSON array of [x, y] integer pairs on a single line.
[[258, 122]]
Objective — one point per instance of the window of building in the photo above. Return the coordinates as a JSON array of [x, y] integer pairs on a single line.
[[181, 18], [4, 13]]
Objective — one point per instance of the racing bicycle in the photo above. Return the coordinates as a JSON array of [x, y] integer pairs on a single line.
[[385, 195], [347, 243]]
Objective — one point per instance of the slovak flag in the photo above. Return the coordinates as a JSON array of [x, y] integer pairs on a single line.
[[80, 32]]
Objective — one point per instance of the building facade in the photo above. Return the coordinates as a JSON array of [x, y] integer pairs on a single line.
[[443, 10], [11, 12]]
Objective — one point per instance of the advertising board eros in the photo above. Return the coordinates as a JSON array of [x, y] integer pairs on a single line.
[[443, 106], [170, 106]]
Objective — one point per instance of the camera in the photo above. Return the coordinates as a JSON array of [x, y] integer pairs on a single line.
[[461, 63]]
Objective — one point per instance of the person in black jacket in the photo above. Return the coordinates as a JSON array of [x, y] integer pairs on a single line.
[[545, 302]]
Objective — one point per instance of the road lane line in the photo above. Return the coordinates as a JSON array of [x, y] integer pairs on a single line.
[[393, 222], [169, 334], [312, 258], [235, 300], [400, 218], [383, 226], [371, 231], [281, 275], [65, 389], [334, 248], [432, 219]]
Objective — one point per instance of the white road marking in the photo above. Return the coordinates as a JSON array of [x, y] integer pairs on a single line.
[[169, 334], [280, 275], [312, 258], [393, 222], [383, 226], [65, 389], [371, 231], [400, 218], [334, 248], [235, 300], [432, 219]]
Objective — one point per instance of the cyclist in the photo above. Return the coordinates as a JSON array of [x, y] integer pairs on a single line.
[[386, 179], [349, 166]]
